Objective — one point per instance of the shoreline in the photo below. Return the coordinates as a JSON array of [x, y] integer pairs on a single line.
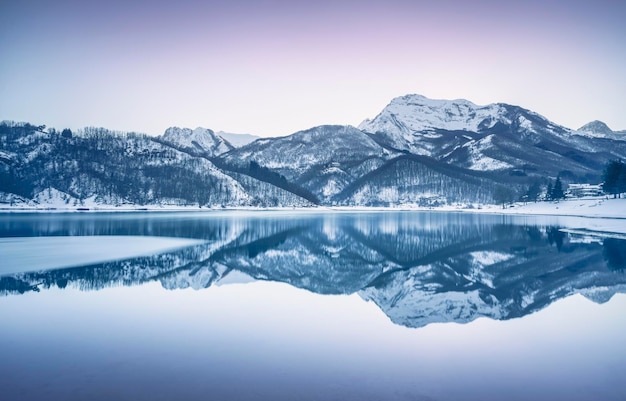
[[594, 216], [598, 207]]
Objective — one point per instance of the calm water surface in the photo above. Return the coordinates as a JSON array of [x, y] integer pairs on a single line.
[[317, 306]]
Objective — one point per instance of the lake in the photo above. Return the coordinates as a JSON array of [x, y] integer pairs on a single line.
[[311, 306]]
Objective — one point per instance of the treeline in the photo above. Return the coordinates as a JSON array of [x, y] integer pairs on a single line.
[[534, 192], [128, 168], [410, 179], [254, 170], [116, 168], [614, 178]]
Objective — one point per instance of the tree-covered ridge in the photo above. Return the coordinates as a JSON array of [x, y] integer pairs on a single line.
[[118, 168], [327, 165]]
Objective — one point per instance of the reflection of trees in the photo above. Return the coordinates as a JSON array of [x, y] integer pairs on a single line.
[[614, 252], [416, 267], [556, 237], [12, 285]]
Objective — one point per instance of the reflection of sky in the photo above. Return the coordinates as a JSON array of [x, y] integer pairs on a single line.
[[260, 340], [273, 67]]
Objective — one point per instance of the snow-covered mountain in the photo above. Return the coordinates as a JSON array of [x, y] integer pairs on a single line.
[[200, 141], [323, 160], [598, 129], [414, 122], [419, 180], [415, 151], [411, 114], [101, 168], [496, 137], [298, 153]]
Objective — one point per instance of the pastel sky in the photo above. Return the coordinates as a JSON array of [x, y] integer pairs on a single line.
[[274, 67]]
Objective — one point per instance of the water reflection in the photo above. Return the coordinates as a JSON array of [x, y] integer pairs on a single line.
[[419, 268], [614, 252]]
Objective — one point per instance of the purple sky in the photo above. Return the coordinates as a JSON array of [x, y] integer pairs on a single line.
[[275, 67]]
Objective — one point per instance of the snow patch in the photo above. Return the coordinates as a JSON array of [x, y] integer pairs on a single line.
[[200, 140], [526, 124], [296, 256], [477, 158], [53, 198], [487, 258]]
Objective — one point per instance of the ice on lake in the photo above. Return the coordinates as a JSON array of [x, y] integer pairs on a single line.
[[25, 254]]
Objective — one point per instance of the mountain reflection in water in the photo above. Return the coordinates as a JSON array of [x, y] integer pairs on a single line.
[[419, 268]]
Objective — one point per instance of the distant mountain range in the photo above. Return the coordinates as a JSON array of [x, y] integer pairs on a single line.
[[417, 151]]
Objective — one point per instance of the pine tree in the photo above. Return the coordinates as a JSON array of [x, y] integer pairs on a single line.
[[621, 181], [612, 180], [557, 191], [532, 194]]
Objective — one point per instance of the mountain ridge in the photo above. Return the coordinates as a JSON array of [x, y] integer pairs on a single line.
[[599, 129], [415, 151]]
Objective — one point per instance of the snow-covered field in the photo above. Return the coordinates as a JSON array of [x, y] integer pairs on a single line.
[[598, 207], [587, 207], [24, 254]]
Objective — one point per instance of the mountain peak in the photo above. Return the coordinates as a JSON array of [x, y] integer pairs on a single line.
[[414, 113], [596, 127], [421, 100], [404, 122], [188, 131], [201, 141]]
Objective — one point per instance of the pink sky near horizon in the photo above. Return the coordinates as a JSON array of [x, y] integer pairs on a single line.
[[272, 68]]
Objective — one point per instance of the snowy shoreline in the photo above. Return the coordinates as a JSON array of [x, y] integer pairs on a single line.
[[595, 217], [597, 207]]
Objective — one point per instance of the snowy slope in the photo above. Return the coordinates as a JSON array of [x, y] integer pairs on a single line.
[[322, 159], [416, 123], [237, 140], [100, 168], [417, 181], [200, 141], [494, 137], [413, 113], [598, 129], [316, 146]]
